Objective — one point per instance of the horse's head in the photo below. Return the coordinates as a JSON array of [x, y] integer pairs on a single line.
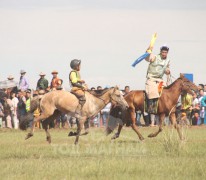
[[117, 98], [187, 85]]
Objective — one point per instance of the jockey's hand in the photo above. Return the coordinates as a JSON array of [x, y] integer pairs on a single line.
[[81, 81], [167, 71], [85, 87]]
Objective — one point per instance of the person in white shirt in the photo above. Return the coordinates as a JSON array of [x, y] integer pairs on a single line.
[[14, 108], [105, 114]]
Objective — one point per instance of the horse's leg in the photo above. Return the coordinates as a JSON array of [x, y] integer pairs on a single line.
[[177, 126], [161, 119], [133, 125], [37, 119], [86, 127], [79, 128], [116, 135], [45, 127]]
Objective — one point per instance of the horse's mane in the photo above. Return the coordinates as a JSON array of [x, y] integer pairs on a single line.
[[168, 87], [99, 93]]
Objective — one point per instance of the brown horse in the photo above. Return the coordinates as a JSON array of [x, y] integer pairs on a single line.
[[166, 106], [54, 103]]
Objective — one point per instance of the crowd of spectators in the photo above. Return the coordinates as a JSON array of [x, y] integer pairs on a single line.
[[17, 103]]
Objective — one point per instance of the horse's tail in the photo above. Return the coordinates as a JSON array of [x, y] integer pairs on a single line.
[[114, 119], [108, 130], [26, 119]]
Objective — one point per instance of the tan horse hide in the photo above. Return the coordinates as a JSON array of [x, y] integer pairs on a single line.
[[78, 92]]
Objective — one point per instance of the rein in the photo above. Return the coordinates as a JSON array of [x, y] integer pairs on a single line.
[[97, 97]]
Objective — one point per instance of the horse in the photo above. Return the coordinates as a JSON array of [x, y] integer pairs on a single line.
[[166, 107], [54, 103]]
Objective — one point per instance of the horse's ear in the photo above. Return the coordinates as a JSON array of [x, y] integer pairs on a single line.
[[116, 88], [181, 75]]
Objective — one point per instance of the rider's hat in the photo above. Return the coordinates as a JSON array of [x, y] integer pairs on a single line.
[[54, 72], [42, 74], [164, 48], [75, 63]]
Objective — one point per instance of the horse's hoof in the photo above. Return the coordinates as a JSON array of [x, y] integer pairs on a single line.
[[76, 142], [71, 133], [141, 139], [28, 136], [151, 135], [84, 134], [115, 136], [48, 140]]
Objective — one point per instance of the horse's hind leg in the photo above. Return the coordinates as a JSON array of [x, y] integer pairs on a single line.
[[86, 128], [45, 124], [116, 135], [47, 121], [161, 118], [79, 128], [177, 126], [37, 119]]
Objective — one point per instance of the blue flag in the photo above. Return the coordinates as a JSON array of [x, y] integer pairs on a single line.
[[140, 59]]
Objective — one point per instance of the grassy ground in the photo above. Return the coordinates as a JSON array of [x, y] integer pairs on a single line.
[[97, 157]]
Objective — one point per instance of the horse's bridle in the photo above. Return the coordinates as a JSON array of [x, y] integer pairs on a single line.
[[187, 85]]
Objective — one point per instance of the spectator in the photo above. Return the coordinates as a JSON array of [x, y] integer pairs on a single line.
[[186, 101], [98, 119], [61, 119], [202, 108], [56, 82], [203, 105], [205, 89], [196, 119], [10, 78], [99, 87], [138, 117], [7, 112], [21, 104], [28, 104], [200, 86], [126, 90], [23, 83], [42, 82], [37, 111], [15, 102], [1, 115], [28, 100], [195, 105], [92, 89], [105, 114]]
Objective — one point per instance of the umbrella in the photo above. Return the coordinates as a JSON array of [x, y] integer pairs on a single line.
[[8, 84]]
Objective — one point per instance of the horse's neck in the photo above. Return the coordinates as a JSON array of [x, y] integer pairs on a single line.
[[100, 102], [174, 91]]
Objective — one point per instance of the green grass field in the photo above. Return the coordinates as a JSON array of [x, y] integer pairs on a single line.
[[97, 157]]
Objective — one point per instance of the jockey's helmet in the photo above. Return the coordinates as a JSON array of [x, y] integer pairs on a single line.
[[75, 63]]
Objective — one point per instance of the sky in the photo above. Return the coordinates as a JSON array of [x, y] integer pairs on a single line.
[[107, 35]]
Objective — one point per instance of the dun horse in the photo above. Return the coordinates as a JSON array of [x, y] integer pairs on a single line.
[[54, 103], [166, 106]]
